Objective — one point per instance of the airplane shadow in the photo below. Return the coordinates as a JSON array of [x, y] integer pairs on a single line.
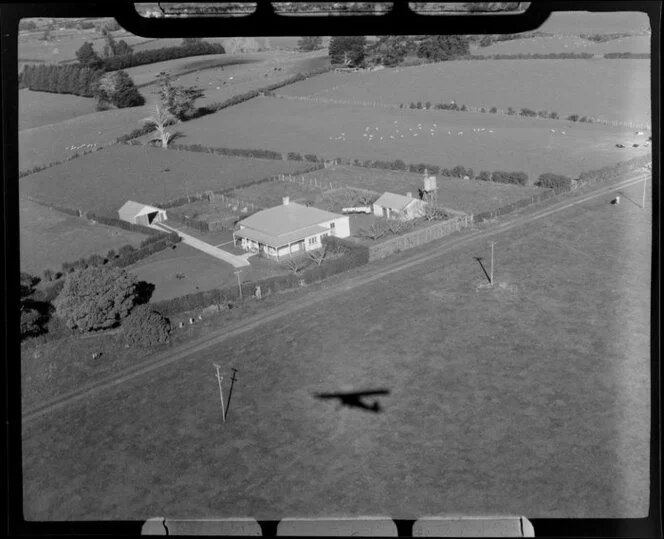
[[354, 399]]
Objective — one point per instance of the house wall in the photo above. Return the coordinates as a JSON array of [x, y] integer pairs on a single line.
[[126, 216], [341, 226]]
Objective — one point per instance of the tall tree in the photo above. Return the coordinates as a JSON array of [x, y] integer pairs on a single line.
[[310, 43], [122, 48], [161, 119], [347, 50], [87, 56], [438, 48], [178, 100], [118, 89], [96, 298]]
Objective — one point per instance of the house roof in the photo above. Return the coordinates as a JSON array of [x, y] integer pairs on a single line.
[[136, 208], [394, 201], [284, 239], [287, 218]]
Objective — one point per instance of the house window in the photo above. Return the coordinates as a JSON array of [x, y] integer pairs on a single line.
[[332, 224], [313, 240]]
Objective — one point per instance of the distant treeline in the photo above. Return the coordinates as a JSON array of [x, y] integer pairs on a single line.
[[163, 54], [534, 56], [631, 55], [61, 79]]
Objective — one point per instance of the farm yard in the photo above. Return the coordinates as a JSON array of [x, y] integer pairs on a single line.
[[197, 272], [554, 425], [49, 238], [444, 138], [611, 89], [102, 181]]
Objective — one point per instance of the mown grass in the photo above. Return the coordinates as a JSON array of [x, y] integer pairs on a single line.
[[528, 399], [548, 45], [520, 144], [48, 238], [43, 108], [103, 181]]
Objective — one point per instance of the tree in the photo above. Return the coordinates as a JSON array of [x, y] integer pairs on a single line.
[[296, 263], [439, 48], [554, 181], [33, 313], [122, 48], [310, 43], [391, 50], [178, 100], [27, 25], [46, 36], [318, 255], [146, 327], [161, 119], [434, 213], [347, 50], [118, 89], [191, 41], [96, 298], [87, 56], [485, 176]]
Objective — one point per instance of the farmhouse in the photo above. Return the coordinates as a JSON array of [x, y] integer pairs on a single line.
[[289, 228], [401, 207], [141, 214]]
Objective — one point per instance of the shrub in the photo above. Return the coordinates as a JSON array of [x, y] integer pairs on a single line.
[[553, 115], [573, 117], [293, 156], [96, 298], [511, 111], [126, 250], [528, 112], [516, 178], [484, 176], [493, 110], [554, 181], [146, 327]]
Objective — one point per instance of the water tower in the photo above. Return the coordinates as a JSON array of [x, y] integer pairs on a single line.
[[430, 187]]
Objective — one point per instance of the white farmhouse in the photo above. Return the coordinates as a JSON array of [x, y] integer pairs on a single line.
[[393, 206], [288, 229]]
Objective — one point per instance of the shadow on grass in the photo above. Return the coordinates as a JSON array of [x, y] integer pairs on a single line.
[[144, 292], [353, 399], [479, 259]]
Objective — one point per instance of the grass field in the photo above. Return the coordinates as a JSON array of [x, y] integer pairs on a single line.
[[548, 45], [49, 238], [104, 180], [48, 143], [580, 22], [529, 399], [611, 89], [332, 130], [41, 108]]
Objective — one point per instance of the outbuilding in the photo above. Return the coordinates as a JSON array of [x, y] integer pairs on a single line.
[[141, 214], [393, 206], [289, 229]]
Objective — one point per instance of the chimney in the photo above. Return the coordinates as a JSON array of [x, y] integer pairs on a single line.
[[285, 201], [409, 194]]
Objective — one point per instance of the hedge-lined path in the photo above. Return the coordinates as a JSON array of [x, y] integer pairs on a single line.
[[367, 275], [235, 261]]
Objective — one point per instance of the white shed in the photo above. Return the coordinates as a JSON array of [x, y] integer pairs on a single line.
[[393, 206], [141, 214]]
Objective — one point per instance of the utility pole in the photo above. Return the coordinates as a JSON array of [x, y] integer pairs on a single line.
[[239, 283], [221, 395], [491, 279]]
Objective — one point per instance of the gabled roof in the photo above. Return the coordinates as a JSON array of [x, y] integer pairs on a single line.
[[394, 201], [136, 208], [284, 239], [287, 218]]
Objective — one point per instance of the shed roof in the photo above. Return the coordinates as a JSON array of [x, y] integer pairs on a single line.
[[394, 201], [287, 218], [137, 208]]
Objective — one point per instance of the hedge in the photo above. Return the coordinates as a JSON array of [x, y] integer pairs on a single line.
[[114, 63], [234, 152], [112, 221], [159, 245], [554, 181]]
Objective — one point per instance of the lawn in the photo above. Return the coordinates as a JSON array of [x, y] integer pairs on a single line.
[[49, 238], [468, 196], [104, 180], [42, 108], [611, 89], [335, 130], [201, 272], [530, 398]]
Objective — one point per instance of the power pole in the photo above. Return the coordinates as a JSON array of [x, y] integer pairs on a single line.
[[221, 395], [491, 279]]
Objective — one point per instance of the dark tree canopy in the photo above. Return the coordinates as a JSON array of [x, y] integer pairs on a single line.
[[96, 298], [87, 56], [146, 327], [118, 89], [438, 48], [347, 50], [391, 50], [178, 100], [310, 43]]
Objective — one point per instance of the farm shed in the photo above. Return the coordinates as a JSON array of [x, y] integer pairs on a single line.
[[401, 207], [141, 214], [289, 228]]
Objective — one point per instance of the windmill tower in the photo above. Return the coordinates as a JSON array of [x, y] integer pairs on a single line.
[[430, 187]]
